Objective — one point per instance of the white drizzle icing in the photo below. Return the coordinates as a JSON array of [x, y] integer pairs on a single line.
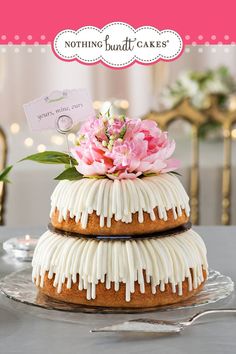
[[164, 260], [119, 198]]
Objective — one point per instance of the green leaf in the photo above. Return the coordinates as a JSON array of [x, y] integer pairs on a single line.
[[70, 174], [175, 173], [4, 174], [122, 132], [51, 157], [149, 174], [99, 115], [223, 70], [96, 177]]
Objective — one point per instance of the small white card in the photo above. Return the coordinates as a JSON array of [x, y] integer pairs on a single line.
[[59, 110]]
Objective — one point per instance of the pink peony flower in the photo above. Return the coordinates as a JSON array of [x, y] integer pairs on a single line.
[[121, 147]]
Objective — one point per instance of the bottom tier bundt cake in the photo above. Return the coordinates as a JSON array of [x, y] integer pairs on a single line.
[[133, 273], [119, 239]]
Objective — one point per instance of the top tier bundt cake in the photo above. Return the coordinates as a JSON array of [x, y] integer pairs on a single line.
[[120, 207], [119, 233]]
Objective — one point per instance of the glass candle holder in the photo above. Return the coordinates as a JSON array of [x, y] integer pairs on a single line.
[[21, 248]]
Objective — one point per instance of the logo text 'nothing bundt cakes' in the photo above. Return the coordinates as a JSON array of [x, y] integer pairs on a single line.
[[117, 45]]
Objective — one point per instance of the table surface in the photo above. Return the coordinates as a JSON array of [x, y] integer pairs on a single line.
[[26, 329]]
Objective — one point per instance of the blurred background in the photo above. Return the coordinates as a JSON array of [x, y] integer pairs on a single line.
[[200, 73]]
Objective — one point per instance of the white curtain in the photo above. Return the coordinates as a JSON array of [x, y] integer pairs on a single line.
[[25, 75]]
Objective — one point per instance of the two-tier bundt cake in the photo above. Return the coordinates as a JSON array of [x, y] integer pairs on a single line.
[[118, 235]]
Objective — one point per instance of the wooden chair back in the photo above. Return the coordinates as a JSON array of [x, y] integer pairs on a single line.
[[227, 118]]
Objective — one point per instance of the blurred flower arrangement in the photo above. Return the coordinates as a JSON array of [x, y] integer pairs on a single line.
[[198, 86]]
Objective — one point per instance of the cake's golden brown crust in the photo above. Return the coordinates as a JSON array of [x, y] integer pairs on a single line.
[[119, 227], [111, 298]]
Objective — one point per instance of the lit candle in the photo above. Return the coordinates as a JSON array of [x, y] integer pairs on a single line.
[[26, 243]]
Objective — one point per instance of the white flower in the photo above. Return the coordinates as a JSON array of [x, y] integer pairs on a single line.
[[189, 86], [198, 99], [216, 86]]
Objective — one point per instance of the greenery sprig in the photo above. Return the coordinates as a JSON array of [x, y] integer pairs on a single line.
[[5, 173], [70, 173], [49, 157]]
